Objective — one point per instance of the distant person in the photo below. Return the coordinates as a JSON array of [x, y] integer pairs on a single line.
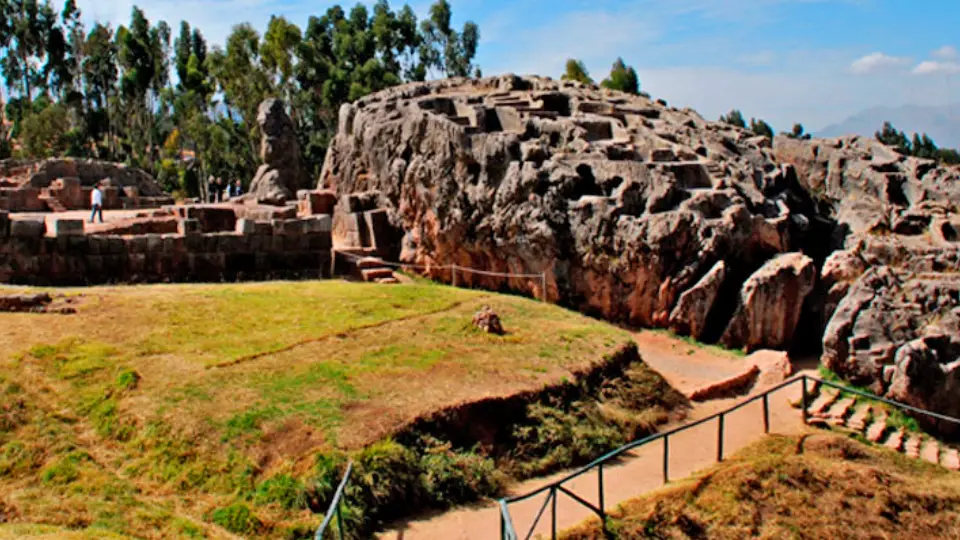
[[212, 189], [237, 189], [96, 202]]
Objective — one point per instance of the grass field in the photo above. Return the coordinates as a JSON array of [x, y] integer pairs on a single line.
[[818, 486], [152, 406]]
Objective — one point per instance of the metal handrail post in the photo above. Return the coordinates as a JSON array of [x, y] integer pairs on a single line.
[[340, 518], [803, 397], [766, 413], [666, 460], [603, 509], [553, 514], [720, 438]]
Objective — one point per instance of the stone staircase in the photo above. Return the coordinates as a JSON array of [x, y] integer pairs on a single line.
[[52, 202], [831, 409], [362, 264]]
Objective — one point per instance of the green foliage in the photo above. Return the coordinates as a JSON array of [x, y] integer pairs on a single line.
[[623, 78], [921, 145], [761, 128], [45, 133], [284, 490], [64, 470], [237, 518], [798, 132], [107, 92], [734, 118], [576, 71]]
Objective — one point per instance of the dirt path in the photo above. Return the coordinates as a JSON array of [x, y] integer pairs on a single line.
[[641, 471]]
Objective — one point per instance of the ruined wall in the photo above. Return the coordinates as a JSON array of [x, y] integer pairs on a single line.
[[31, 254]]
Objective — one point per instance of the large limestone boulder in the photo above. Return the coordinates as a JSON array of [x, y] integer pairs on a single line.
[[689, 317], [651, 215], [770, 303], [282, 173], [624, 203], [899, 334]]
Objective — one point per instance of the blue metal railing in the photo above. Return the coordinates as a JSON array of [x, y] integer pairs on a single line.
[[509, 532], [336, 508]]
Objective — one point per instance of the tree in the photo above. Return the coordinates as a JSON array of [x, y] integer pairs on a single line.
[[889, 136], [576, 71], [761, 128], [623, 78], [798, 133], [734, 118], [443, 48], [46, 133]]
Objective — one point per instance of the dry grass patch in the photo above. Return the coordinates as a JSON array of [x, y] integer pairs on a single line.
[[814, 486], [165, 410]]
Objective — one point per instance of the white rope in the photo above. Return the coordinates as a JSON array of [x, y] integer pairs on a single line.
[[440, 267]]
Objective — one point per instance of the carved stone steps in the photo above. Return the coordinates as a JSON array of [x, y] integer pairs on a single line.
[[877, 428], [950, 459], [930, 452], [858, 420], [912, 446], [823, 401], [837, 413], [373, 274], [895, 440]]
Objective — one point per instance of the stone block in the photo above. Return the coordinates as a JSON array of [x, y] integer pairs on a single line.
[[67, 227], [320, 224], [263, 228], [188, 226], [246, 226], [28, 228]]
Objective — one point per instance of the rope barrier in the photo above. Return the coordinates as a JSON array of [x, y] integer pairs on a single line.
[[453, 269]]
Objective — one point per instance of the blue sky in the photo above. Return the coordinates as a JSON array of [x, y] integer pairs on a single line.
[[812, 61]]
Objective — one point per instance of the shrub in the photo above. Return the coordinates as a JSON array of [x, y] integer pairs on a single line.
[[237, 518]]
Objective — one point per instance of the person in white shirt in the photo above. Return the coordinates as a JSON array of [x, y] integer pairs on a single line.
[[96, 202]]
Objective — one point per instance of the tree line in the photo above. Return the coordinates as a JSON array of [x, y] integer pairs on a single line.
[[110, 93]]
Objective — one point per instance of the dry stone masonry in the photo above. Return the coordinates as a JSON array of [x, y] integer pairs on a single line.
[[64, 254], [652, 215], [57, 185]]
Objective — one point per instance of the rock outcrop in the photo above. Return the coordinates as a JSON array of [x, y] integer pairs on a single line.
[[651, 215], [770, 303], [624, 203], [283, 172]]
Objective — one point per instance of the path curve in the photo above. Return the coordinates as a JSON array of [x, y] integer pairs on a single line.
[[641, 471]]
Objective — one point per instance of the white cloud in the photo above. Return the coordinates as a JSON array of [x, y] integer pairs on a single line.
[[947, 52], [762, 58], [875, 62], [933, 67]]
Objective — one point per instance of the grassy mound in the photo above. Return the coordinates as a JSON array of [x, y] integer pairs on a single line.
[[816, 486], [208, 410]]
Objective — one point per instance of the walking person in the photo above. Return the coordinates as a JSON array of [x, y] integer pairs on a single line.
[[237, 189], [96, 202]]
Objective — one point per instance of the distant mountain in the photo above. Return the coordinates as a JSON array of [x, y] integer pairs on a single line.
[[941, 123]]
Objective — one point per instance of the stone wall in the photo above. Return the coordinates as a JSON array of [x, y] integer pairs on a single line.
[[33, 255]]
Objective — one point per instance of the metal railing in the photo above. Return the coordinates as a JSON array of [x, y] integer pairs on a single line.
[[336, 508], [509, 532]]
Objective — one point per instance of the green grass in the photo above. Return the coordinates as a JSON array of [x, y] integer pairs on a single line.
[[896, 417], [823, 485], [213, 400]]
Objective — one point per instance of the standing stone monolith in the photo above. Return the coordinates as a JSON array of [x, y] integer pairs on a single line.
[[282, 173]]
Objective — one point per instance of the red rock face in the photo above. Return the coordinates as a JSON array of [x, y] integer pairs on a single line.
[[623, 204], [630, 207]]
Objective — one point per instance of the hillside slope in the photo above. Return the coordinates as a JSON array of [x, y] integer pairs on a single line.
[[814, 486], [211, 410]]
